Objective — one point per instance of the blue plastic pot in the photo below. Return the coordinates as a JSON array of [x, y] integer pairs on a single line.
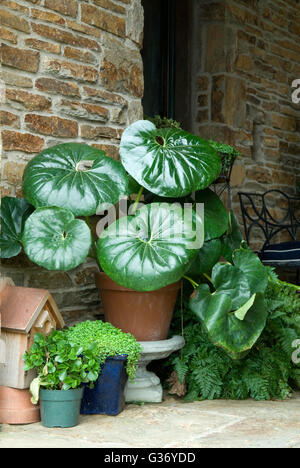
[[107, 396]]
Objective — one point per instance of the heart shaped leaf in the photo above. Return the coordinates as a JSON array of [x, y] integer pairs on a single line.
[[215, 215], [168, 161], [55, 240], [74, 176], [243, 279], [14, 212], [225, 329], [152, 249]]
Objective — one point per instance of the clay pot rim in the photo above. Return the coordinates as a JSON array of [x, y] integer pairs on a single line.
[[103, 281]]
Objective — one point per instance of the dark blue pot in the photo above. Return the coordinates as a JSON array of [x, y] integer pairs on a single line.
[[107, 396]]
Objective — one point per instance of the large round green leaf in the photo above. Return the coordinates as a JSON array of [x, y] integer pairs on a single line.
[[55, 240], [169, 162], [235, 335], [215, 215], [74, 176], [14, 212], [152, 249]]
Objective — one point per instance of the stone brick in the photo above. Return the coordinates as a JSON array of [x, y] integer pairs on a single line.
[[93, 133], [53, 86], [13, 172], [14, 79], [65, 69], [42, 45], [47, 16], [203, 83], [15, 141], [125, 78], [84, 111], [215, 49], [111, 150], [21, 59], [9, 120], [66, 7], [29, 101], [65, 37], [109, 5], [260, 174], [103, 20], [54, 126], [84, 28], [284, 123], [244, 62], [81, 56], [49, 280], [14, 21], [238, 175], [9, 36], [15, 6], [100, 95]]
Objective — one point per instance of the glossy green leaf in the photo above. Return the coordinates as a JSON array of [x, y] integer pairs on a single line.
[[227, 331], [215, 215], [206, 258], [74, 176], [14, 212], [55, 240], [241, 280], [151, 249], [242, 311], [168, 161]]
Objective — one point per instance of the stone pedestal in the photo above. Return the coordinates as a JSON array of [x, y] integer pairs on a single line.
[[146, 386]]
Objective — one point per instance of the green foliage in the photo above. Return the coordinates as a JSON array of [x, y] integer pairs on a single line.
[[234, 313], [60, 364], [107, 341], [163, 122], [267, 372]]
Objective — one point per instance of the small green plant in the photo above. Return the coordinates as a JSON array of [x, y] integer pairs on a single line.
[[108, 341], [60, 364]]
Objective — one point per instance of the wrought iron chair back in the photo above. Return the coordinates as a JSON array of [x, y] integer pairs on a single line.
[[259, 215]]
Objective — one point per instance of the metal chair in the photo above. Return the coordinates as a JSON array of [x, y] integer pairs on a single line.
[[258, 211]]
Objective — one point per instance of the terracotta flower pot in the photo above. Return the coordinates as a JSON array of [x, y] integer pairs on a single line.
[[16, 407], [146, 315]]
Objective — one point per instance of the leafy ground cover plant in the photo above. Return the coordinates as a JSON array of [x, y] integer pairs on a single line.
[[60, 364], [203, 370], [107, 341]]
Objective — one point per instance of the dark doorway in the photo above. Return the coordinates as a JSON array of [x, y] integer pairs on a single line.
[[165, 56]]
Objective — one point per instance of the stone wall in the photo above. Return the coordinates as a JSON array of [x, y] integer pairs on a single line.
[[71, 71], [249, 57]]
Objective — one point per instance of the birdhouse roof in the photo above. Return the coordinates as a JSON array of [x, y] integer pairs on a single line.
[[20, 307]]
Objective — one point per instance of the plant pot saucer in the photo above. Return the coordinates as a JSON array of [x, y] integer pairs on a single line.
[[146, 386]]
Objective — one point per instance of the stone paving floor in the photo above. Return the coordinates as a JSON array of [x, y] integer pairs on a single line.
[[173, 424]]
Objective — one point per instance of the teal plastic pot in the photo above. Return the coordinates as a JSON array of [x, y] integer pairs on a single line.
[[60, 408]]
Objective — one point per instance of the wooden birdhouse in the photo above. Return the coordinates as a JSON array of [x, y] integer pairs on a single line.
[[24, 312]]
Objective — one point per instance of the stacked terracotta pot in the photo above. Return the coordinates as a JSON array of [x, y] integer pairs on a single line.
[[23, 312]]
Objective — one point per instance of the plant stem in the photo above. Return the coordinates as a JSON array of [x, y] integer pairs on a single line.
[[93, 250], [207, 277], [135, 206], [193, 283]]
